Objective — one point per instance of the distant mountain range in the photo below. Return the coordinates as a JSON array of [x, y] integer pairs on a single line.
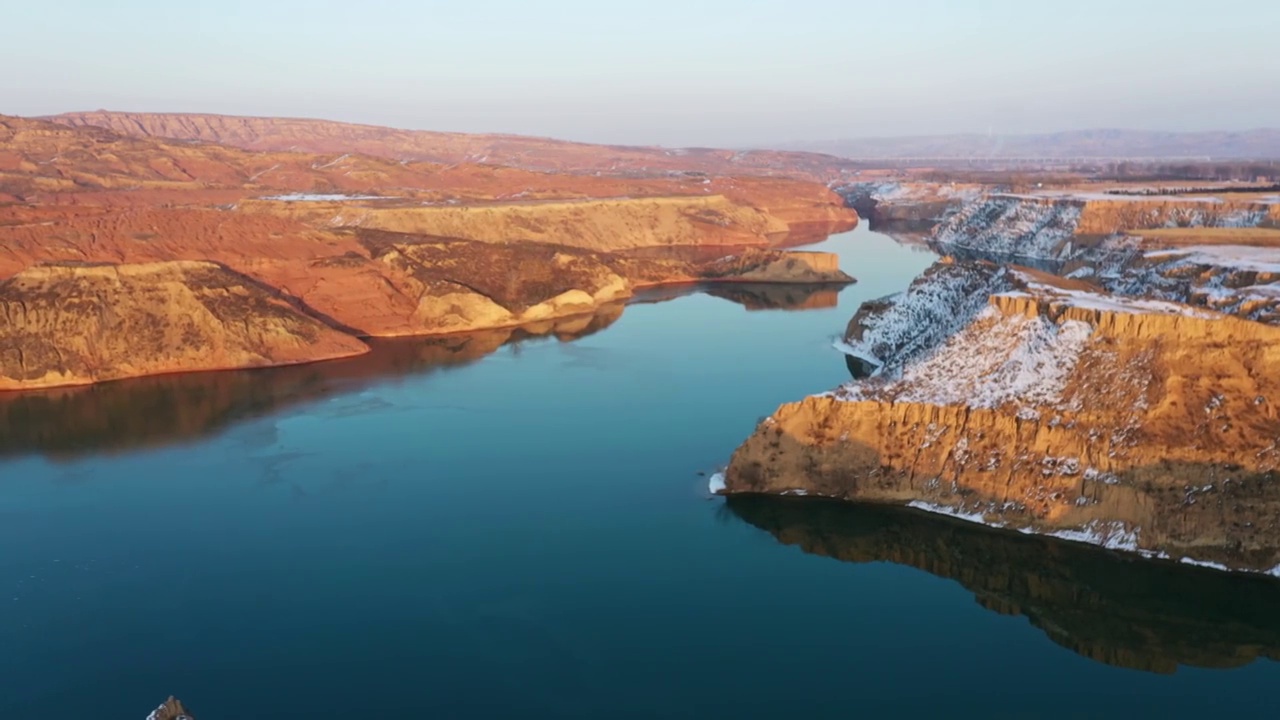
[[528, 153], [1252, 144]]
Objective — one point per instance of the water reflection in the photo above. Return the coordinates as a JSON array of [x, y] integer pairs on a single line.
[[163, 409], [766, 296], [1117, 610]]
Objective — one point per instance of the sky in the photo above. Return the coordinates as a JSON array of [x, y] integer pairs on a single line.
[[670, 72]]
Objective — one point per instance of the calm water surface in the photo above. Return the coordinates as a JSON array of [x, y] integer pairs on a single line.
[[433, 532]]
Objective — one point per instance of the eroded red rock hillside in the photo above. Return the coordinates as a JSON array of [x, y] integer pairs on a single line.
[[300, 253]]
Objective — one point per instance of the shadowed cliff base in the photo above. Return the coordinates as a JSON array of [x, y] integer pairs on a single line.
[[1109, 607]]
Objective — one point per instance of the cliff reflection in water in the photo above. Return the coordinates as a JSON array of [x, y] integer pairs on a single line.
[[1115, 609], [767, 296], [163, 409]]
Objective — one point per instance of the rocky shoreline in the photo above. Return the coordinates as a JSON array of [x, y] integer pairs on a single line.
[[1131, 405]]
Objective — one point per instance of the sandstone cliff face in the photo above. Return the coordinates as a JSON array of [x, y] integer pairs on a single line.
[[76, 324], [462, 286], [1154, 617], [1133, 424]]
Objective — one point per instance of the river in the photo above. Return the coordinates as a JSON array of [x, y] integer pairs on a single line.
[[437, 530]]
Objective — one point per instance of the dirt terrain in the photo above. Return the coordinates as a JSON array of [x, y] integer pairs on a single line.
[[355, 244], [323, 136]]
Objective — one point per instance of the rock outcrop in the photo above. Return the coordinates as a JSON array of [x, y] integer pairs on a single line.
[[171, 709], [906, 207], [1134, 424], [462, 286], [76, 324]]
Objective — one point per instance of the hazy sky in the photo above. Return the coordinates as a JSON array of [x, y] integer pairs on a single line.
[[693, 72]]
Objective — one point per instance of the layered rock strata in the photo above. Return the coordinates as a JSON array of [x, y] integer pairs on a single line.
[[77, 324], [1135, 424]]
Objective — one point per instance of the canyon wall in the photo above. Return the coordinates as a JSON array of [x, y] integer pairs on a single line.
[[1051, 227], [1133, 424]]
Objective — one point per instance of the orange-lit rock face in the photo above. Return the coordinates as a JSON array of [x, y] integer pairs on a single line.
[[351, 243], [79, 324], [1133, 424]]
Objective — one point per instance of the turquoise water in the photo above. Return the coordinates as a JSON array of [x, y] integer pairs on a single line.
[[528, 534]]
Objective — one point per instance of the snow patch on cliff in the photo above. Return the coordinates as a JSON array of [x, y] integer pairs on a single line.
[[1113, 535], [998, 360], [896, 328], [1005, 359], [1235, 257], [1012, 225], [1103, 302], [950, 512]]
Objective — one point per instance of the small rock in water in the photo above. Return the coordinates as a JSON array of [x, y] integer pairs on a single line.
[[172, 709]]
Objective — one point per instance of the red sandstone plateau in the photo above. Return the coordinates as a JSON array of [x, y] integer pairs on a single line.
[[146, 247]]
